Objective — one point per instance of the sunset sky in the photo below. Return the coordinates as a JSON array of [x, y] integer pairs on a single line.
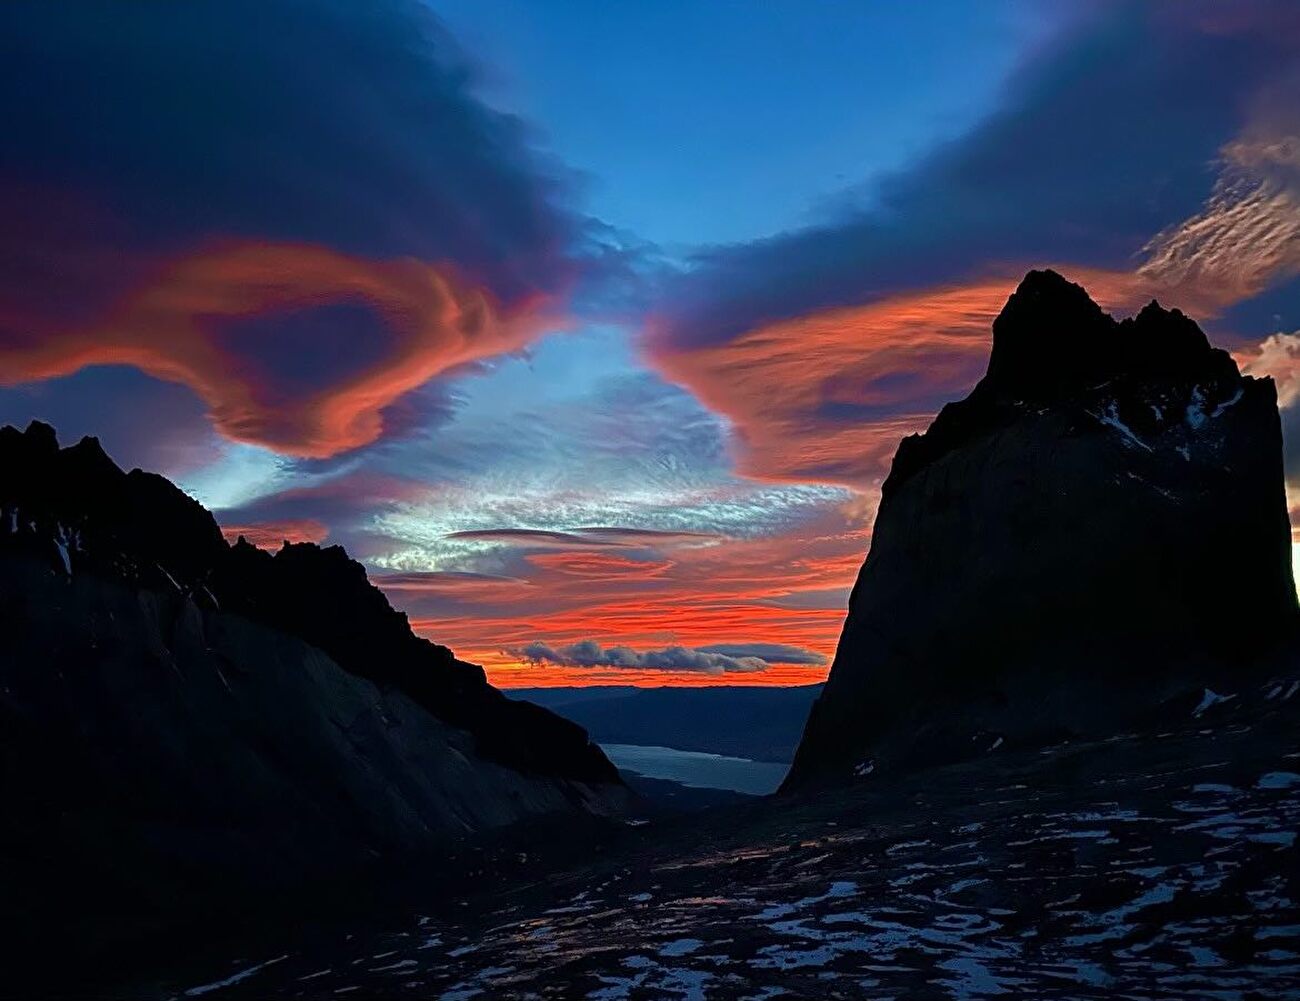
[[590, 328]]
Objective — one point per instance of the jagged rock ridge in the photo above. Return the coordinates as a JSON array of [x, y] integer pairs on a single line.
[[185, 723], [1098, 531], [74, 508]]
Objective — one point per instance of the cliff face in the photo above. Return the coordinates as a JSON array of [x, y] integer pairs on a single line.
[[1097, 532], [177, 713]]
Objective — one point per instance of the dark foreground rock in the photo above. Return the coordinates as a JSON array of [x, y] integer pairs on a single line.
[[1098, 530], [186, 725], [1146, 865]]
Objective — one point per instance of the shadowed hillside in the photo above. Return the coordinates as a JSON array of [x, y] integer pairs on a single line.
[[185, 722]]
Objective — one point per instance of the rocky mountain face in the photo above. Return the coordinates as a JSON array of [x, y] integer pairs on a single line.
[[1095, 536], [180, 716]]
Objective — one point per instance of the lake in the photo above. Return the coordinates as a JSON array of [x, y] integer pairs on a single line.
[[698, 769]]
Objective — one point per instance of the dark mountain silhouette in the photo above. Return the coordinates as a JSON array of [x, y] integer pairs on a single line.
[[184, 720], [1095, 535], [75, 509]]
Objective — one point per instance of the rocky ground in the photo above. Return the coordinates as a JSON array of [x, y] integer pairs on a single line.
[[1161, 865]]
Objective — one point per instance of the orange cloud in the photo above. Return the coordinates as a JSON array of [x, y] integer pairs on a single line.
[[1277, 356], [595, 566], [171, 328], [789, 589], [273, 534], [826, 397]]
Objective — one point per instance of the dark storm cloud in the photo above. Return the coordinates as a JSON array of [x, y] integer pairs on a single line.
[[301, 211], [1105, 137], [349, 125], [1148, 150]]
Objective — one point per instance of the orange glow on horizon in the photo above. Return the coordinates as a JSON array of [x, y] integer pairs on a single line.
[[823, 398], [785, 590], [508, 677]]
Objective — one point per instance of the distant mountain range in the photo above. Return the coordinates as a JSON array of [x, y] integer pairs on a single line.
[[759, 723], [1097, 536]]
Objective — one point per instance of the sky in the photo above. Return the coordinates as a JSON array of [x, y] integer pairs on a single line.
[[591, 328]]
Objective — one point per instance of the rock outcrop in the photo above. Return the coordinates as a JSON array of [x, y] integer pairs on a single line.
[[1095, 535], [180, 716]]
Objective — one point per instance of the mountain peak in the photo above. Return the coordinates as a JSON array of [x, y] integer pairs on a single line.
[[1053, 344], [1053, 294], [39, 438], [88, 456], [1167, 341], [1049, 333], [1052, 339], [1066, 550], [141, 531]]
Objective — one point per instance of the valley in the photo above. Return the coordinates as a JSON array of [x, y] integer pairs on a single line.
[[1146, 865]]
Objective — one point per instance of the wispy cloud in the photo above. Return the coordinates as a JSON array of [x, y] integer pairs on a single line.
[[583, 537]]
